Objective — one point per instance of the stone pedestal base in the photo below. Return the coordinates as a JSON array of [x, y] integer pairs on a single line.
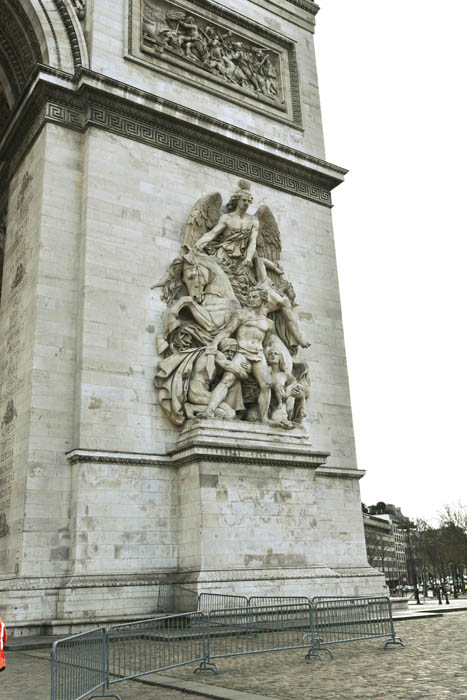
[[257, 518], [235, 507]]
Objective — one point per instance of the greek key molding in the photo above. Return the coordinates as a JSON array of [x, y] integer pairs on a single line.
[[201, 150], [89, 100]]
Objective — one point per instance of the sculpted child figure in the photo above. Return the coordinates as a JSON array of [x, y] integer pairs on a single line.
[[286, 390]]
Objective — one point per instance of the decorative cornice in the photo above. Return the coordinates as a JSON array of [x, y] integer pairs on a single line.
[[261, 456], [84, 581], [102, 457], [307, 5], [337, 473], [195, 452], [90, 100], [300, 12]]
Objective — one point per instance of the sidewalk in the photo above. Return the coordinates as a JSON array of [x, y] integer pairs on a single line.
[[429, 607], [432, 666]]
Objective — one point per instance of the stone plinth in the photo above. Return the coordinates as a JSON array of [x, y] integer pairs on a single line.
[[249, 517]]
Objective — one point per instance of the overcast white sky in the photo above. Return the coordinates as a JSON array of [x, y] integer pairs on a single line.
[[393, 90]]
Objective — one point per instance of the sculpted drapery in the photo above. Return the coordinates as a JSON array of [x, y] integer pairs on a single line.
[[229, 339]]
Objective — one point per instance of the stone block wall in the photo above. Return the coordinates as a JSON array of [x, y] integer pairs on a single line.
[[107, 153], [110, 35]]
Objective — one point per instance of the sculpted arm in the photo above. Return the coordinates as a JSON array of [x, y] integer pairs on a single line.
[[227, 332], [241, 371], [199, 314], [212, 234], [251, 250]]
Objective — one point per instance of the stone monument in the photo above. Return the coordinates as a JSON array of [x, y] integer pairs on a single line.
[[174, 400]]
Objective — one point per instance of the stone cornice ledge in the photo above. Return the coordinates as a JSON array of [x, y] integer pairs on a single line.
[[272, 456], [103, 457], [337, 473], [292, 456], [87, 581], [92, 100], [300, 12]]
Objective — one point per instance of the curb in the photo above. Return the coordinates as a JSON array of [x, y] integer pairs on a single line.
[[201, 689]]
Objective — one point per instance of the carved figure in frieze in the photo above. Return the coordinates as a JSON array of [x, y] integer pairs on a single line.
[[288, 393], [80, 7], [233, 240], [191, 39], [200, 297], [235, 60], [280, 297], [228, 306], [252, 329], [202, 378]]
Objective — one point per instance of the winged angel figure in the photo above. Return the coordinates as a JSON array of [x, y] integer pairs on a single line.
[[226, 294]]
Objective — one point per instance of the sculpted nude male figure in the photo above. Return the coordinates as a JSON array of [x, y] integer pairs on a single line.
[[252, 329]]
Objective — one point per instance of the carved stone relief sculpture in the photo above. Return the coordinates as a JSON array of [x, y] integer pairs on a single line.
[[229, 339], [80, 7], [174, 34]]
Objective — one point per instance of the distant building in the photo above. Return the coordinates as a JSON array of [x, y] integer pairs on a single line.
[[387, 543]]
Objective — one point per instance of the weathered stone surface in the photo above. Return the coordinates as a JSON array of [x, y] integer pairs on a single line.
[[105, 155]]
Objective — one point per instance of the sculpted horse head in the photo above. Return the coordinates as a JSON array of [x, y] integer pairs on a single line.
[[203, 276]]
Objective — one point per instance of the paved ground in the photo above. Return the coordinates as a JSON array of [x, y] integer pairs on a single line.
[[28, 678], [433, 666]]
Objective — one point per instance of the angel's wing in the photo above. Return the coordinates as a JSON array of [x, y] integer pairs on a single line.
[[203, 217], [268, 244]]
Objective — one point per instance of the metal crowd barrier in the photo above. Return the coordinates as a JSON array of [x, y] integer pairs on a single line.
[[277, 600], [139, 648], [213, 601], [256, 630], [79, 666], [337, 620], [93, 661]]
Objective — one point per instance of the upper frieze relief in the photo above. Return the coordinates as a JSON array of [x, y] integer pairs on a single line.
[[213, 48]]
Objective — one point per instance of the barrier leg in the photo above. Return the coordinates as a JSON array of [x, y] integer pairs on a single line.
[[207, 666], [313, 651], [394, 640]]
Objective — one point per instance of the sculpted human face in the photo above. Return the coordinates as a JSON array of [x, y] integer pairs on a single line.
[[243, 202], [274, 357], [195, 282], [254, 299]]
